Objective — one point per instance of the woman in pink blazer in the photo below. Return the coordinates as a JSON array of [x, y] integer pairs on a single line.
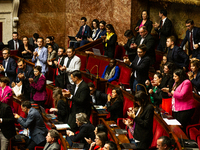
[[6, 92], [38, 87], [183, 104]]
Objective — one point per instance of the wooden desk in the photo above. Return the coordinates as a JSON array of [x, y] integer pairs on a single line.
[[121, 138], [100, 83]]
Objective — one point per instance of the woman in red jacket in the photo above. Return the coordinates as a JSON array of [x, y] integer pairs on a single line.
[[38, 87]]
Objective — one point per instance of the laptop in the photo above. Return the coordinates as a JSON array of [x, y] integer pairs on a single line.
[[96, 51], [72, 38], [50, 116]]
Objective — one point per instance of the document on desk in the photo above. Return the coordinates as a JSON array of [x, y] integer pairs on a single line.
[[62, 126], [49, 82], [172, 121]]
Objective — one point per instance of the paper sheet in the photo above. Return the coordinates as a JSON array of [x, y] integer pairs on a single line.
[[171, 121], [62, 126]]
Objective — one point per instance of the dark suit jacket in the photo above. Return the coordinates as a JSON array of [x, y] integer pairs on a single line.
[[7, 126], [110, 49], [116, 110], [150, 43], [196, 38], [100, 98], [86, 130], [196, 82], [27, 55], [63, 111], [167, 81], [129, 50], [11, 44], [35, 123], [25, 82], [87, 33], [143, 127], [141, 69], [103, 33], [179, 57], [61, 63], [165, 31], [148, 24], [11, 69], [80, 103]]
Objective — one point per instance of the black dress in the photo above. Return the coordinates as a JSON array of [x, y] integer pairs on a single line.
[[116, 110], [110, 49], [27, 55], [63, 111]]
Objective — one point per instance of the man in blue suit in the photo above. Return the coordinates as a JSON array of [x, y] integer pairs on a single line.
[[83, 33], [40, 55], [193, 39], [34, 122], [176, 55], [9, 66]]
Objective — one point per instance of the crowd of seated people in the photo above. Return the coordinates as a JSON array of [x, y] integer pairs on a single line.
[[170, 88]]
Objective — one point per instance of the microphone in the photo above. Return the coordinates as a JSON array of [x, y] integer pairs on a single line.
[[97, 77], [5, 96]]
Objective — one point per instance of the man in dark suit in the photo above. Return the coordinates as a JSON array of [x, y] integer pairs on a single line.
[[140, 66], [193, 39], [176, 55], [8, 68], [7, 126], [80, 97], [33, 40], [98, 97], [164, 143], [58, 63], [34, 122], [15, 42], [83, 33], [52, 140], [24, 72], [147, 39], [163, 29]]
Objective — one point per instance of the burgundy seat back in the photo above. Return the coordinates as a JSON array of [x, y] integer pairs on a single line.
[[49, 102], [92, 61], [83, 61], [158, 131], [102, 66], [125, 75], [127, 104]]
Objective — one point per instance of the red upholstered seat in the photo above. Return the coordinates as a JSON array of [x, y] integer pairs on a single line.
[[167, 105], [39, 147], [51, 74], [83, 61], [125, 74], [49, 102], [92, 61], [127, 103], [198, 140], [119, 52], [158, 131], [102, 66]]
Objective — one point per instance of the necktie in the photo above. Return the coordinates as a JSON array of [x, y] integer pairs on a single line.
[[191, 42], [68, 62], [15, 45], [57, 67], [161, 24], [83, 30]]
